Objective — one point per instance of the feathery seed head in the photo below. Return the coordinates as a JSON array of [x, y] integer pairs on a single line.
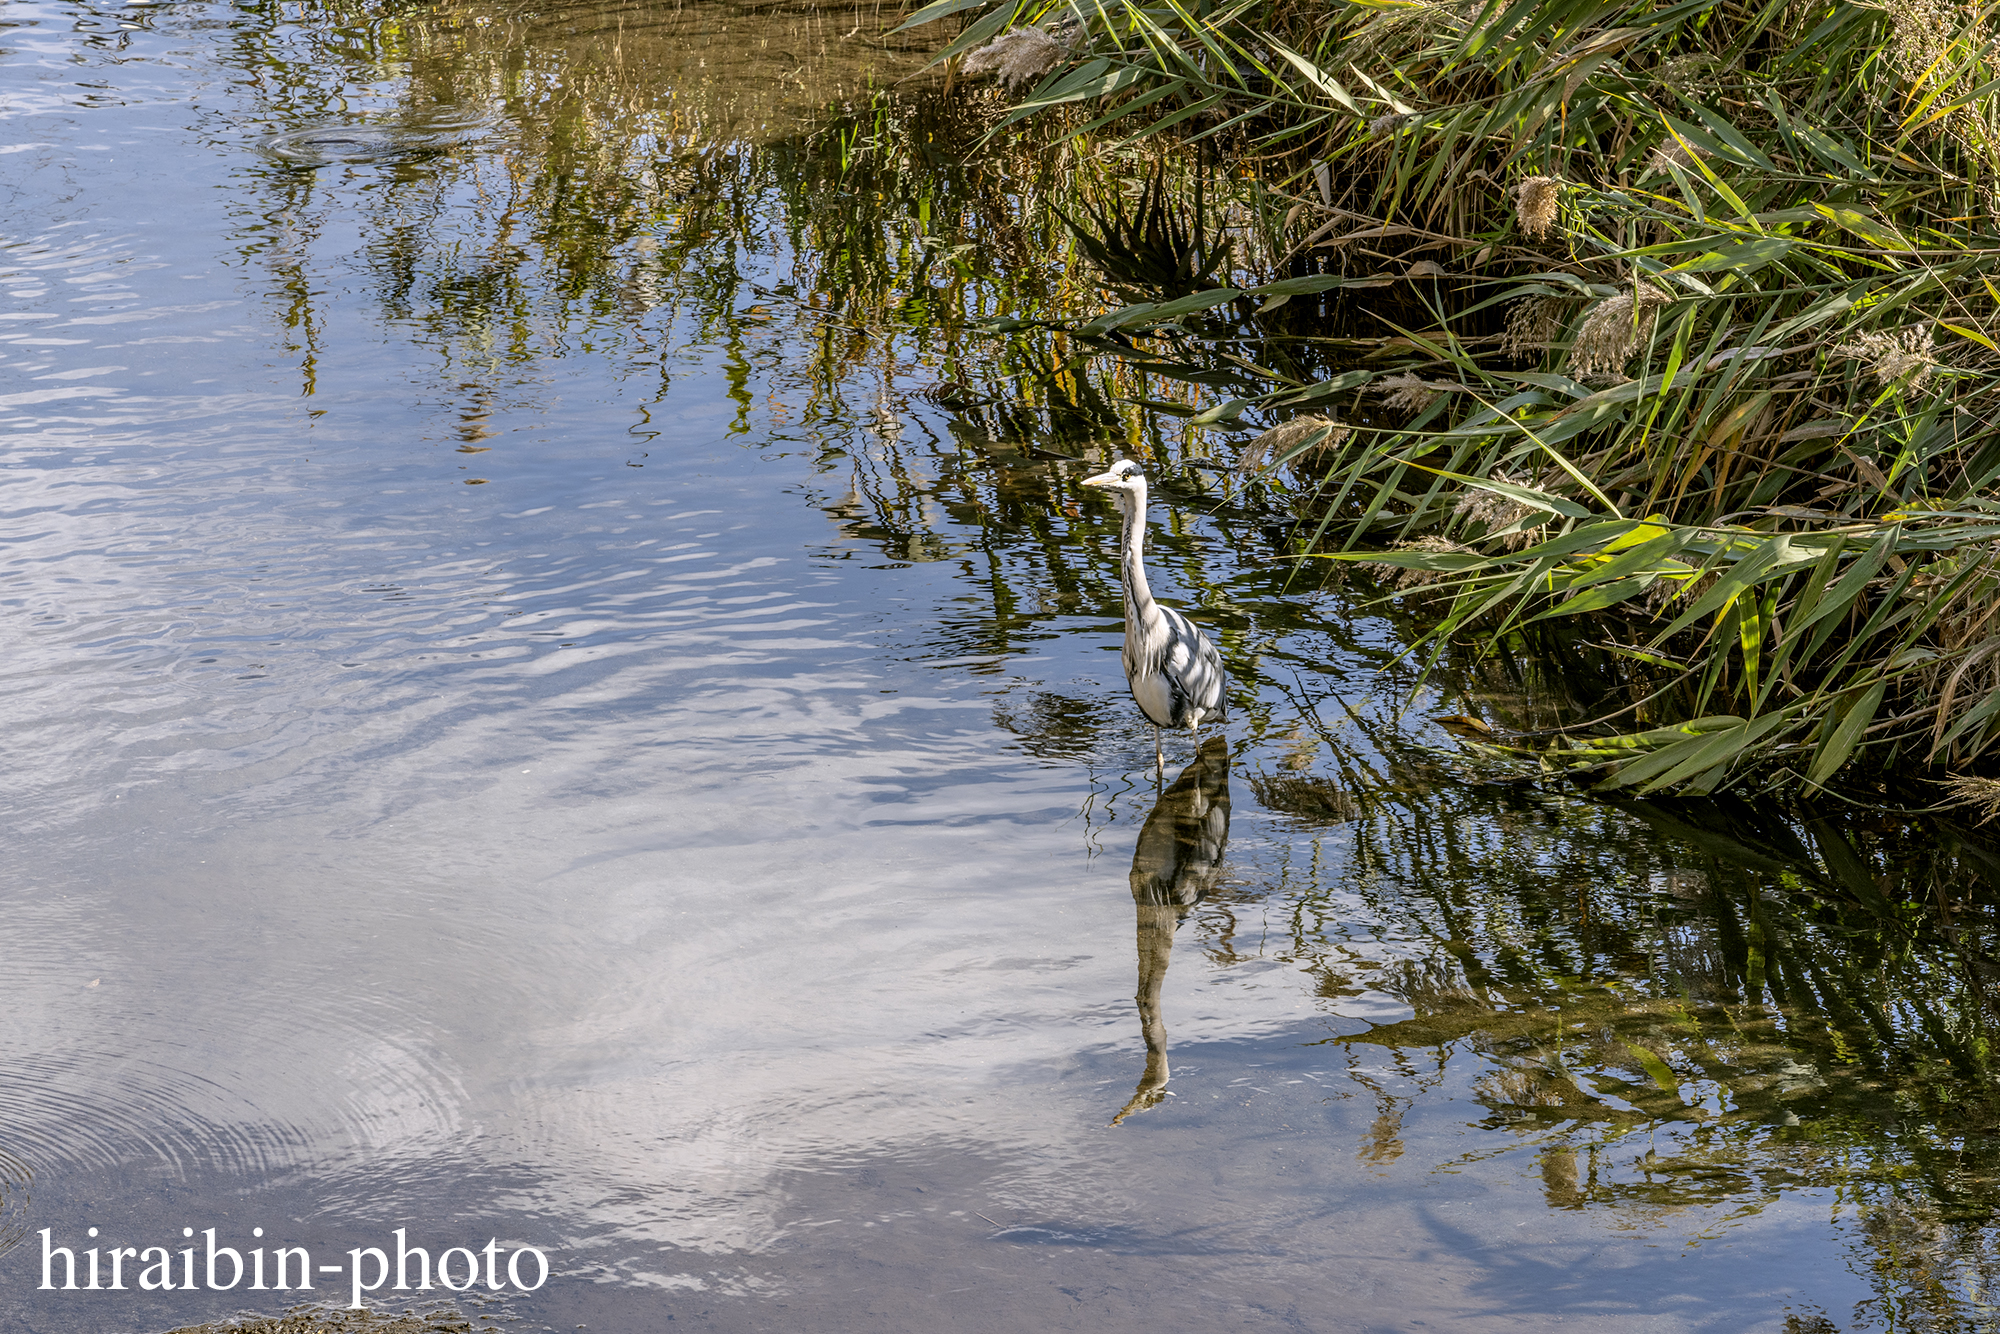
[[1430, 542], [1904, 356], [1692, 76], [1942, 50], [1017, 57], [1496, 512], [1535, 204], [1924, 32], [1283, 438], [1981, 792], [1532, 324], [1489, 507], [1610, 333], [1410, 392], [1671, 152]]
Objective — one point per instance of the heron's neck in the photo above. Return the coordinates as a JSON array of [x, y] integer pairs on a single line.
[[1132, 558]]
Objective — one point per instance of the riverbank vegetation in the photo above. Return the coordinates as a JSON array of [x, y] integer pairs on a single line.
[[1661, 332]]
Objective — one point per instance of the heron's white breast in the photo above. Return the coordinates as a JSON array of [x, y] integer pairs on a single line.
[[1155, 698]]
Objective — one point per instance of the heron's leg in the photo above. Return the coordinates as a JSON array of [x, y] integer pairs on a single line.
[[1159, 757]]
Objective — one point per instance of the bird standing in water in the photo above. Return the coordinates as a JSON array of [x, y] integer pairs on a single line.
[[1175, 673]]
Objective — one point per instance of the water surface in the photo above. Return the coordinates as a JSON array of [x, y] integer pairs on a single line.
[[559, 690]]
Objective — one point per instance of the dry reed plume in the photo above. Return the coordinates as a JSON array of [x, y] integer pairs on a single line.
[[1942, 48], [1903, 357], [1535, 205], [1018, 57], [1411, 393], [1532, 324], [1610, 333], [1407, 578], [1280, 440], [1670, 154], [1496, 512]]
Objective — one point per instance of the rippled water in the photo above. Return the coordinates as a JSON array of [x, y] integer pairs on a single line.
[[533, 716]]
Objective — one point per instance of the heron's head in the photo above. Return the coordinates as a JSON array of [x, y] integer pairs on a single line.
[[1123, 478]]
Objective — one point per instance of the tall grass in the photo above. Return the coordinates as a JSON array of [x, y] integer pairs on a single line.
[[1682, 319]]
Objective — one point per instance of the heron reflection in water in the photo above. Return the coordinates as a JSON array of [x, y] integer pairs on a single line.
[[1177, 862]]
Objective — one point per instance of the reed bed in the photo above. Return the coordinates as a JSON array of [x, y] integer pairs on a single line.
[[1679, 324]]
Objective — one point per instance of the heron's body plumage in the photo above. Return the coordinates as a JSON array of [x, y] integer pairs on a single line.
[[1173, 670], [1175, 673]]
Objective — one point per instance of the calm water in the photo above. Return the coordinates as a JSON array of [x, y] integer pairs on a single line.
[[530, 717]]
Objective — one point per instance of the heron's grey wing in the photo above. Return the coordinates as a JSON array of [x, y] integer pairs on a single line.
[[1192, 668]]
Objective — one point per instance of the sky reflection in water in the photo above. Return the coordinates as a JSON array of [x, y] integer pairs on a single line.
[[531, 720]]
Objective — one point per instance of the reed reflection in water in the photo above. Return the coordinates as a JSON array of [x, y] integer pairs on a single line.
[[1175, 865]]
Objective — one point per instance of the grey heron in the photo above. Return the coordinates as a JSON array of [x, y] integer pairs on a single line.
[[1175, 673]]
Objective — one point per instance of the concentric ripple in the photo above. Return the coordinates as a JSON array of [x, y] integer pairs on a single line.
[[361, 141]]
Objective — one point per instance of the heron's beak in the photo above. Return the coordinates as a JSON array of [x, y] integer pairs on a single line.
[[1107, 479]]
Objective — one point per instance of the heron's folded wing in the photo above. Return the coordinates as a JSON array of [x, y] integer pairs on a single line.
[[1192, 669]]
